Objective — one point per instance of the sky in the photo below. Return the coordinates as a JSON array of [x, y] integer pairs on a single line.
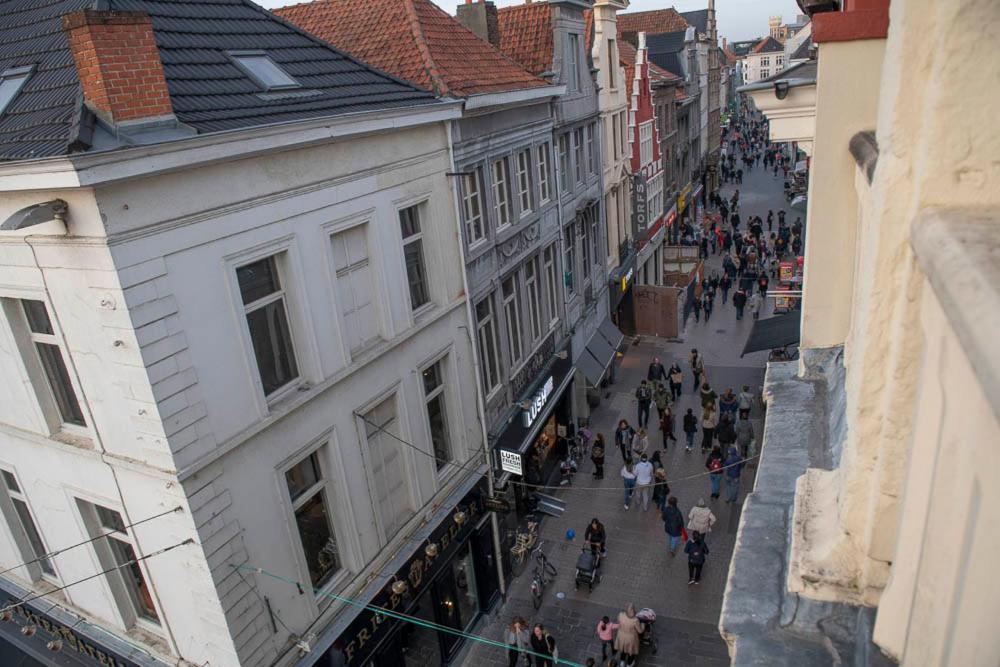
[[738, 19]]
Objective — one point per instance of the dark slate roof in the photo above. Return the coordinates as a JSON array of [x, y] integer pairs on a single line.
[[666, 50], [698, 18], [207, 91], [768, 45], [802, 52]]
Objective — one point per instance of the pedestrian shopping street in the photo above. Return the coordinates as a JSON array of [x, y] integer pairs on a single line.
[[638, 568]]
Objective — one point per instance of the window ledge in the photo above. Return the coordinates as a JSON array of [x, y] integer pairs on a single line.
[[958, 252]]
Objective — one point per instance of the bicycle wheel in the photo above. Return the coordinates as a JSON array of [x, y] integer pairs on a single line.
[[550, 568], [518, 560]]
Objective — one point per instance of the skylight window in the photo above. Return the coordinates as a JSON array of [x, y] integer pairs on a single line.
[[265, 73], [11, 82]]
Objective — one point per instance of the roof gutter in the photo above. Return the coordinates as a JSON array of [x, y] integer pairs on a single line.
[[106, 167], [776, 84], [474, 102]]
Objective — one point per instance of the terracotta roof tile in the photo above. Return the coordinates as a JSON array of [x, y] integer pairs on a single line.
[[652, 22], [416, 41], [526, 35]]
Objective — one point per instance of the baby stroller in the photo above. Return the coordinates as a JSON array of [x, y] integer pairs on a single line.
[[648, 636], [588, 568]]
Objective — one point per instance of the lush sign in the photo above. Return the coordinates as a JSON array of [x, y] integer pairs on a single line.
[[537, 402], [511, 462]]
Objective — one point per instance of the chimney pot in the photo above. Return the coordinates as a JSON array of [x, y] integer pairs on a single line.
[[480, 18], [102, 44]]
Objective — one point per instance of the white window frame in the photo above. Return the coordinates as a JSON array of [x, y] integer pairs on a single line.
[[486, 329], [645, 143], [475, 225], [511, 304], [612, 65], [623, 119], [589, 132], [442, 361], [579, 156], [532, 287], [615, 134], [524, 190], [550, 269], [564, 165], [544, 180], [15, 523], [420, 208], [573, 62], [502, 192], [377, 297], [586, 248], [569, 258]]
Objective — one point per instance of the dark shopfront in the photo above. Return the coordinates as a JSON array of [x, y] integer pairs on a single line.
[[620, 296], [451, 580], [40, 634]]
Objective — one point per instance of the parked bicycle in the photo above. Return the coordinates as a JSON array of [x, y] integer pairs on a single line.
[[544, 573], [524, 544]]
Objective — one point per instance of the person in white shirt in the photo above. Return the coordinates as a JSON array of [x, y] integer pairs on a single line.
[[628, 478], [644, 481]]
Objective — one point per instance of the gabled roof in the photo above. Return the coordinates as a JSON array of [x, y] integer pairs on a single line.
[[207, 91], [526, 35], [414, 40], [731, 57], [802, 52], [665, 50], [627, 55], [767, 45], [697, 18], [652, 22]]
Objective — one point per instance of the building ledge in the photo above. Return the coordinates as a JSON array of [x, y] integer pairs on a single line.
[[959, 252], [764, 623]]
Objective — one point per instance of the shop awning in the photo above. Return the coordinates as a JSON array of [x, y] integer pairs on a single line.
[[773, 332], [600, 351]]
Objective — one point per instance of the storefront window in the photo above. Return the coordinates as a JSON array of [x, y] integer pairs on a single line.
[[464, 572]]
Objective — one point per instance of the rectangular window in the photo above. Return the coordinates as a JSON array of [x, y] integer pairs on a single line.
[[765, 61], [573, 63], [569, 257], [646, 143], [594, 235], [487, 334], [615, 132], [264, 71], [22, 524], [472, 205], [11, 82], [501, 191], [116, 552], [623, 119], [355, 288], [389, 475], [534, 298], [612, 65], [413, 255], [764, 73], [551, 282], [544, 189], [578, 151], [267, 319], [307, 493], [585, 247], [564, 163], [591, 152], [50, 355], [437, 415], [512, 317], [524, 180]]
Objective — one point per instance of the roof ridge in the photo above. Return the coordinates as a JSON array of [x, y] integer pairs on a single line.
[[438, 83]]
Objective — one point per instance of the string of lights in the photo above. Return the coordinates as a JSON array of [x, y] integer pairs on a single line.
[[568, 487], [403, 617], [56, 552], [26, 600]]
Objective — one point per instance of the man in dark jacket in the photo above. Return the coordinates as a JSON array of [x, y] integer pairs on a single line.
[[734, 466], [645, 396], [656, 373], [696, 549], [740, 301], [726, 432], [673, 524]]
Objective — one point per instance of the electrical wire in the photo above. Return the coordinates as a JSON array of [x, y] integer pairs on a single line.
[[405, 617], [94, 576], [80, 544], [568, 487]]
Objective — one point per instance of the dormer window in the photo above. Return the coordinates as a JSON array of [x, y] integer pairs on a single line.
[[264, 71], [11, 82]]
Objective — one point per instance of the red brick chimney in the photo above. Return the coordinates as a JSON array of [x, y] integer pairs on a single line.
[[480, 17], [118, 64]]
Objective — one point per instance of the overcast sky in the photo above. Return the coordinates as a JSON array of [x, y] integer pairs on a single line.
[[738, 19]]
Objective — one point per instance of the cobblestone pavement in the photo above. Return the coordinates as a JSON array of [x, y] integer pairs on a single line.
[[638, 568]]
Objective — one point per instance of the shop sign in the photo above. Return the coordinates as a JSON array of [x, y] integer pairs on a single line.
[[671, 217], [370, 628], [682, 198], [59, 634], [536, 363], [640, 214], [511, 462], [496, 504], [537, 402], [627, 278]]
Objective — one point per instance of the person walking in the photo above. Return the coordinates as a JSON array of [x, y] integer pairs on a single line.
[[744, 436], [597, 456], [661, 397], [516, 638], [644, 395], [540, 646], [707, 306], [728, 403], [623, 438], [762, 283], [596, 537], [707, 427], [640, 443], [667, 426], [660, 487], [606, 633], [697, 368], [673, 524], [644, 481], [708, 395], [745, 402], [628, 477], [755, 305], [724, 284], [627, 639], [676, 377], [739, 302], [734, 467], [690, 429], [714, 464], [656, 372], [701, 519], [697, 550], [697, 304]]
